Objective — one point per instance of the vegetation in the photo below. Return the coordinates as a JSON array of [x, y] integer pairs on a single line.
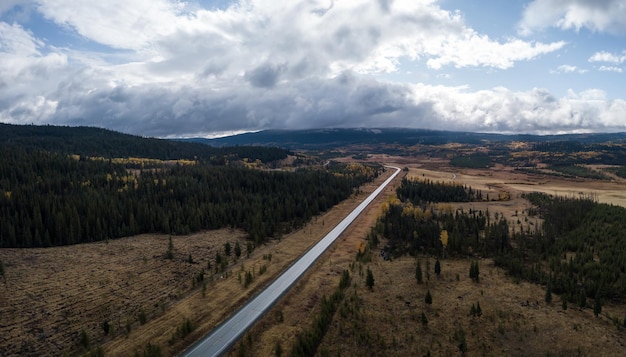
[[473, 161], [369, 279], [474, 272], [579, 252], [50, 199], [308, 341], [578, 171], [621, 171], [421, 192], [96, 142]]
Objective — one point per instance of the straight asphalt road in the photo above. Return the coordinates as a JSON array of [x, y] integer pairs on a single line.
[[224, 336]]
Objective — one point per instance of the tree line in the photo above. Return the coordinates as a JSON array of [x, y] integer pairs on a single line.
[[421, 192], [51, 199], [579, 251]]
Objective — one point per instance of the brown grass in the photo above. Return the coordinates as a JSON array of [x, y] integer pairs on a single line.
[[516, 321]]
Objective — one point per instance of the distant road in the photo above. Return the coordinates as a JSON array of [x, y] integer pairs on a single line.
[[225, 335]]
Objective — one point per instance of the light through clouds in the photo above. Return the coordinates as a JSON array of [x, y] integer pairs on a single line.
[[173, 68]]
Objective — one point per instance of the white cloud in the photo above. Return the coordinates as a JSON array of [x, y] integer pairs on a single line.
[[565, 68], [594, 15], [124, 24], [611, 69], [273, 64], [535, 111], [604, 56], [475, 50]]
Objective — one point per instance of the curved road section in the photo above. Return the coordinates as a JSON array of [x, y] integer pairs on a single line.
[[225, 335]]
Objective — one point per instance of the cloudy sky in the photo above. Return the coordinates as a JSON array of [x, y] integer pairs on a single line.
[[203, 67]]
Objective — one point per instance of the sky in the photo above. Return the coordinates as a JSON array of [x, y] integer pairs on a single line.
[[167, 68]]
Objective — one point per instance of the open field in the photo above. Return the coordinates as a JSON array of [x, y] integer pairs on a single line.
[[51, 295]]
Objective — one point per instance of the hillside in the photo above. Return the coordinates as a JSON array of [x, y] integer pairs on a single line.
[[317, 139]]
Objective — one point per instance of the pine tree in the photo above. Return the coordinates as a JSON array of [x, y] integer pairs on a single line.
[[170, 250], [597, 306], [237, 250], [429, 298], [548, 296], [369, 280], [227, 249], [437, 267], [424, 319], [474, 272], [418, 273]]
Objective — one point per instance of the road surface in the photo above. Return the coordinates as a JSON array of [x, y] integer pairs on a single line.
[[224, 336]]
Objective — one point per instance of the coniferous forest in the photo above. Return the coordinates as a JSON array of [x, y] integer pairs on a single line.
[[579, 251], [50, 198]]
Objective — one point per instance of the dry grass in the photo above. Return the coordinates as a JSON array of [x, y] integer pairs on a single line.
[[515, 321]]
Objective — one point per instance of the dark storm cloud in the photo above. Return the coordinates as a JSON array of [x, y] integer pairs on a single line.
[[264, 76]]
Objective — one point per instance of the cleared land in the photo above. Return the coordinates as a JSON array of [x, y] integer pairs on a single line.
[[51, 295]]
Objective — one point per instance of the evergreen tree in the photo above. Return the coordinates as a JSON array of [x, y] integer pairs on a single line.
[[548, 296], [418, 272], [474, 273], [597, 306], [227, 249], [237, 250], [170, 250], [429, 298], [424, 319], [437, 267], [369, 280]]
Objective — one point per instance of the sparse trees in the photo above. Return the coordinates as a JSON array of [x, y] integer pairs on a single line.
[[475, 310]]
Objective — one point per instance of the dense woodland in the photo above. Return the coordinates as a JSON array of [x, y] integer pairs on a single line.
[[96, 142], [420, 192], [50, 198], [578, 252]]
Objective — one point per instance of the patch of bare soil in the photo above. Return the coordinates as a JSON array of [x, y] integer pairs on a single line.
[[50, 296]]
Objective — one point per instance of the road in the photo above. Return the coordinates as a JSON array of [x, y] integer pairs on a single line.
[[224, 336]]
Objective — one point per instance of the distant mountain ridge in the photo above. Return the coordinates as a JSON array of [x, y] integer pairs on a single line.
[[329, 138], [98, 142]]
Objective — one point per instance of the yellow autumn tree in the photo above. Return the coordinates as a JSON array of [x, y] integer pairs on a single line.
[[444, 238]]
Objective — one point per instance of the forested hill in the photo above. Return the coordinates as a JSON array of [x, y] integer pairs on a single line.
[[97, 142], [330, 138]]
